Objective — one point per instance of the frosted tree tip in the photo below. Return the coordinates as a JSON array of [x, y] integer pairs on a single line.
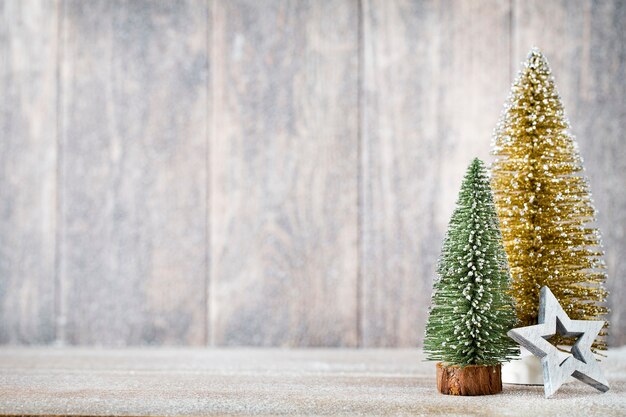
[[537, 60], [477, 162]]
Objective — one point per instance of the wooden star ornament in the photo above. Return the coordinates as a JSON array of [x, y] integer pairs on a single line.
[[581, 363]]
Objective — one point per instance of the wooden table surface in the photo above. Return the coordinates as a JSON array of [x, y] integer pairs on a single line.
[[54, 381]]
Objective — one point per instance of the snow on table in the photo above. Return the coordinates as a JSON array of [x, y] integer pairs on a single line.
[[269, 382]]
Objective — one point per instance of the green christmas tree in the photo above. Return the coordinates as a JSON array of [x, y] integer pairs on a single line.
[[472, 309]]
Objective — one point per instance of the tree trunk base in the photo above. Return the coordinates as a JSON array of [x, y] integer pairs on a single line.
[[469, 380]]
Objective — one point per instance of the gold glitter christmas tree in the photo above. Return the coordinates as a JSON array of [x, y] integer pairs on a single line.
[[544, 203]]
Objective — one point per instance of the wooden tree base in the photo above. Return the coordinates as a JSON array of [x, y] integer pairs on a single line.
[[469, 380]]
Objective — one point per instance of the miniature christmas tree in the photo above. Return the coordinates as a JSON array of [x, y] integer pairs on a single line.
[[544, 203], [472, 309]]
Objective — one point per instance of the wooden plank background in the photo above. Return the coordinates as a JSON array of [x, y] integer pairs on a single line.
[[133, 138], [284, 173], [275, 173], [28, 170], [431, 94]]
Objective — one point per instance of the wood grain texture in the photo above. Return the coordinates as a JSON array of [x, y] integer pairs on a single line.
[[432, 93], [284, 173], [295, 194], [585, 43], [134, 151], [28, 91], [469, 380], [164, 382]]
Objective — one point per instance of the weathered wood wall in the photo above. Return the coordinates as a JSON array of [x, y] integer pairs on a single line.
[[269, 172]]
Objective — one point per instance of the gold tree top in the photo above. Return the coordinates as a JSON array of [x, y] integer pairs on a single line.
[[544, 202]]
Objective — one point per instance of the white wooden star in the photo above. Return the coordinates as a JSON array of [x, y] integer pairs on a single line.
[[581, 364]]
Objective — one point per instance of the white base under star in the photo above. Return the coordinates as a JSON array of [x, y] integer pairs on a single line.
[[581, 364]]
